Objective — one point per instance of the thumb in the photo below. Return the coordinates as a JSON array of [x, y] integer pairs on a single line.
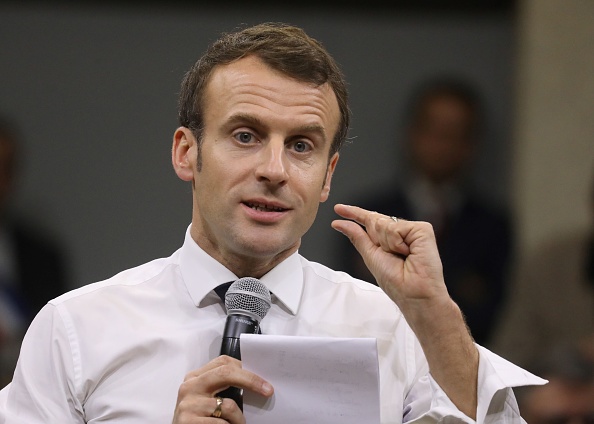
[[356, 234]]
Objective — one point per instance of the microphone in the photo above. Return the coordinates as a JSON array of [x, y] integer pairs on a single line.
[[247, 302]]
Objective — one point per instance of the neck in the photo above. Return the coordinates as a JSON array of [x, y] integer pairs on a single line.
[[240, 264], [252, 267]]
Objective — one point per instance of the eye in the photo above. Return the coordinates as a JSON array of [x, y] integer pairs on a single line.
[[301, 146], [244, 137]]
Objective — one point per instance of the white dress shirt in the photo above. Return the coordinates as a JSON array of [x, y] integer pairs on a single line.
[[117, 351]]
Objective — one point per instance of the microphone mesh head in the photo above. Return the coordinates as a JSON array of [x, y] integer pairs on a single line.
[[248, 295]]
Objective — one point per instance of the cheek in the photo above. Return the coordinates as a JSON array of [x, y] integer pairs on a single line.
[[216, 168], [314, 185]]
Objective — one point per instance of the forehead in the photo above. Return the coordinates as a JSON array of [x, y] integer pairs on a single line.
[[249, 85]]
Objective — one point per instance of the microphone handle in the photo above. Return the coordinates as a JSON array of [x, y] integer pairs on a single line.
[[230, 346], [234, 393], [234, 326]]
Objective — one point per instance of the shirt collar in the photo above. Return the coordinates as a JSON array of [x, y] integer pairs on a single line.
[[285, 281], [202, 273]]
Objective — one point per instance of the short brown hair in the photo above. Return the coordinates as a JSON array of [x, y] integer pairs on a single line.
[[284, 48]]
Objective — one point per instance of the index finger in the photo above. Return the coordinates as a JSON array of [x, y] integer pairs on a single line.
[[215, 363], [226, 373], [355, 213], [382, 230]]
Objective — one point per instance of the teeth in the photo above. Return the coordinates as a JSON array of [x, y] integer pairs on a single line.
[[263, 208]]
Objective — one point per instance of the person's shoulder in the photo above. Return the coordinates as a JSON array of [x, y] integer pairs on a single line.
[[335, 296], [124, 281], [339, 279], [560, 256]]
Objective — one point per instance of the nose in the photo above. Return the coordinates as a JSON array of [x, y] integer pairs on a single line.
[[272, 166]]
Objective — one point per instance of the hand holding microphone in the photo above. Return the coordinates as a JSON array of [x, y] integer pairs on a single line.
[[247, 302]]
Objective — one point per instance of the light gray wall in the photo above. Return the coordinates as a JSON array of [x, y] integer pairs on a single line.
[[554, 149], [95, 92]]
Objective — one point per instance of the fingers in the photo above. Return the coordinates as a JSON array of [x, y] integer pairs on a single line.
[[392, 234], [402, 255], [355, 233], [352, 212], [380, 230], [223, 372], [196, 401], [202, 410], [215, 363]]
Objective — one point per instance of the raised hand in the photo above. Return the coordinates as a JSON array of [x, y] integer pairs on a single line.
[[402, 255], [403, 258]]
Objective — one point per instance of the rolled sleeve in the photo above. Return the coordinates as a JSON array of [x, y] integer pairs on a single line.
[[428, 403], [497, 377]]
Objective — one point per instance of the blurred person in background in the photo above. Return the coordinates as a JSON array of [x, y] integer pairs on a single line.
[[444, 123], [552, 300], [32, 268], [568, 398]]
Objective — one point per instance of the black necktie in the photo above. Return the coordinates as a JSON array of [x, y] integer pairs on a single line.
[[221, 290]]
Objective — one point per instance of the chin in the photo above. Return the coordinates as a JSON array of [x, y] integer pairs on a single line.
[[266, 248]]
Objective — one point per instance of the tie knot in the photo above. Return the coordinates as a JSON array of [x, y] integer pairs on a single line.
[[221, 290]]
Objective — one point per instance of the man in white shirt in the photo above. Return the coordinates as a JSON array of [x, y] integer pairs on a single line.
[[263, 115]]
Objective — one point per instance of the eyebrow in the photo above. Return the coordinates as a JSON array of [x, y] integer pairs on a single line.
[[313, 128], [244, 118]]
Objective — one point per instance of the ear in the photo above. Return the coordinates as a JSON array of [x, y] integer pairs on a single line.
[[329, 172], [183, 153]]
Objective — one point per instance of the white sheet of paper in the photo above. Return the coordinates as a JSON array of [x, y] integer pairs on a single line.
[[321, 380]]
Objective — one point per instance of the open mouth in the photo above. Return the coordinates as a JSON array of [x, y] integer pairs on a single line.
[[264, 208]]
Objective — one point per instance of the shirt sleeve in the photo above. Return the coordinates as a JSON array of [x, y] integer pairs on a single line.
[[43, 388], [427, 403]]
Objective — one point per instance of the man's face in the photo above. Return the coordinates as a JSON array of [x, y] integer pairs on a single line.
[[441, 137], [265, 167]]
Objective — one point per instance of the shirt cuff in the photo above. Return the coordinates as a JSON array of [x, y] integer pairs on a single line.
[[496, 378], [496, 401]]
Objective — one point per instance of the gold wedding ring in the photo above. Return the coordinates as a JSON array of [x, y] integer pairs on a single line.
[[219, 409]]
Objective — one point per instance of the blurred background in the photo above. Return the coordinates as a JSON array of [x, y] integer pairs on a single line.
[[92, 88]]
